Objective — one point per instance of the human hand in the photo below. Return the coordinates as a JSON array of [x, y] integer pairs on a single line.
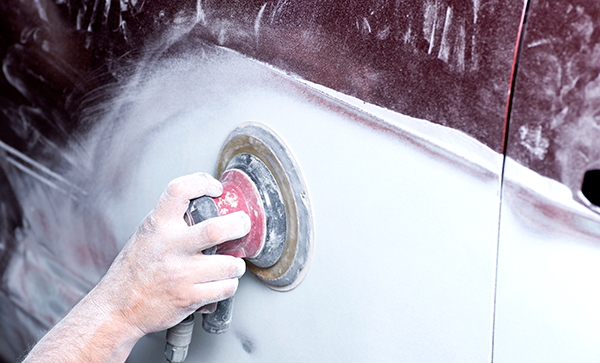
[[161, 276]]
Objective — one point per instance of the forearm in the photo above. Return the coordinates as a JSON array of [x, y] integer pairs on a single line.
[[89, 333]]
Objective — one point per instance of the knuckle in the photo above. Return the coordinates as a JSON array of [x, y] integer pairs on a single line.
[[150, 223], [203, 177], [147, 227], [222, 290], [230, 288], [218, 290], [229, 267], [212, 231], [174, 187], [188, 299]]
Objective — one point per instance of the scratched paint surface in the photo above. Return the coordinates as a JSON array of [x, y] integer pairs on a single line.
[[426, 59], [555, 120]]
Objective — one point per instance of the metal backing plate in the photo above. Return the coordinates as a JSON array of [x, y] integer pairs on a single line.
[[258, 140]]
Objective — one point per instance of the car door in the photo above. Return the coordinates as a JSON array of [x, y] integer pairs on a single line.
[[548, 250]]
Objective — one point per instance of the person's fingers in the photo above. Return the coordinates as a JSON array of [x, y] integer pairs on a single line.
[[174, 200], [216, 230], [207, 309], [203, 268], [211, 292]]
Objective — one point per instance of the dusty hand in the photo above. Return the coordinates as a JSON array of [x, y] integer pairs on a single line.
[[161, 276]]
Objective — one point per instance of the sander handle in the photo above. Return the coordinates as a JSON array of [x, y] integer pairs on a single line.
[[219, 320]]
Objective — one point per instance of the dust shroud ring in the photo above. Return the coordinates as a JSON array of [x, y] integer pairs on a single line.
[[258, 140]]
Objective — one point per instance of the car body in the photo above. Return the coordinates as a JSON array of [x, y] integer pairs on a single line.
[[443, 144]]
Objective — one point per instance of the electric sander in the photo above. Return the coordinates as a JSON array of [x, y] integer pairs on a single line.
[[261, 178]]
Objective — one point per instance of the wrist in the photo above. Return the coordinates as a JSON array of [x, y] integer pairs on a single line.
[[110, 317]]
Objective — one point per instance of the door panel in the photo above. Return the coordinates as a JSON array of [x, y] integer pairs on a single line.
[[548, 254]]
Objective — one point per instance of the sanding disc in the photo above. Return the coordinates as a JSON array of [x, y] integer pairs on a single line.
[[261, 142]]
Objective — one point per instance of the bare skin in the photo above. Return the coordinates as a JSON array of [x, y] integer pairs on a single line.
[[158, 279]]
